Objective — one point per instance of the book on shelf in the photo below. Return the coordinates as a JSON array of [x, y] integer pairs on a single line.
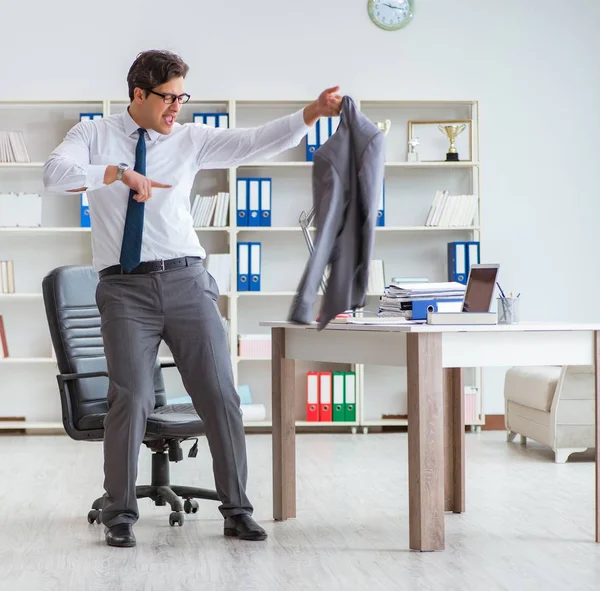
[[3, 341], [376, 280], [210, 210], [451, 211], [7, 277], [219, 266], [13, 147]]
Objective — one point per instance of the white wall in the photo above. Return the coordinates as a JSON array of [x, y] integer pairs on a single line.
[[533, 65]]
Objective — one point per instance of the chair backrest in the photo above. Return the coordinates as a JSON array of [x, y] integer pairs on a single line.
[[74, 321]]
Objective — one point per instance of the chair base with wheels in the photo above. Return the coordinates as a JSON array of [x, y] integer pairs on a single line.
[[161, 491]]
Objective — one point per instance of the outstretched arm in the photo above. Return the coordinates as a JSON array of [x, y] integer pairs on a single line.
[[224, 148]]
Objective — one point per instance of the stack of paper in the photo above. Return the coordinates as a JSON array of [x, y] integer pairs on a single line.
[[399, 297]]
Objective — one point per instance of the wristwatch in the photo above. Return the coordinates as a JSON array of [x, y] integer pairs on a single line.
[[121, 168]]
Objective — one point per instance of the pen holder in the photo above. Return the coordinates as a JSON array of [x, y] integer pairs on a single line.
[[508, 310]]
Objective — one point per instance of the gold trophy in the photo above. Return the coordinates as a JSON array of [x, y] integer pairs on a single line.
[[384, 126], [452, 131]]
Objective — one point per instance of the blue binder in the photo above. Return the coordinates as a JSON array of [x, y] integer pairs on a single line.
[[243, 266], [311, 143], [458, 265], [254, 202], [242, 202], [89, 116], [381, 207], [255, 265], [212, 119], [85, 210], [473, 254], [265, 202], [421, 307]]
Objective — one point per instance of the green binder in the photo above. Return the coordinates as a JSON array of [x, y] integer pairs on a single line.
[[350, 396], [339, 411]]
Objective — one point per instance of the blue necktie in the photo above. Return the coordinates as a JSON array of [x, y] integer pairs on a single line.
[[131, 247]]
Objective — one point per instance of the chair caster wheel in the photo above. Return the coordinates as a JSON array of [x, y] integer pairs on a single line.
[[190, 506], [176, 518], [94, 516]]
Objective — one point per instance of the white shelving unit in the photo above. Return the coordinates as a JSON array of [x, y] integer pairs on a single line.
[[408, 248]]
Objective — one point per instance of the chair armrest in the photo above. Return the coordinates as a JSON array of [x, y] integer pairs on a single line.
[[69, 377]]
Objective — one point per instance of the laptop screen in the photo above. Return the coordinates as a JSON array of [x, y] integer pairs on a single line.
[[480, 288]]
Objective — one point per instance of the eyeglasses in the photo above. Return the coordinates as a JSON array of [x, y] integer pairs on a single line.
[[169, 99]]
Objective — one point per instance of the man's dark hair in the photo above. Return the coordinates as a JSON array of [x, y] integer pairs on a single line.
[[154, 67]]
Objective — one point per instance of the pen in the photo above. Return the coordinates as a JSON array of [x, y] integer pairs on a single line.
[[500, 289]]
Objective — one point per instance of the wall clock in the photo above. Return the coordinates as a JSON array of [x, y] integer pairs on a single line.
[[391, 15]]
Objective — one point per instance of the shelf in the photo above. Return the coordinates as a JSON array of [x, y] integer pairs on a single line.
[[385, 423], [212, 228], [26, 360], [253, 359], [45, 230], [269, 229], [460, 164], [22, 164], [265, 293], [426, 228], [31, 425], [277, 164], [20, 296]]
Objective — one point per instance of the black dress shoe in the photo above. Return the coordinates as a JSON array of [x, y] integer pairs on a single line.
[[120, 535], [244, 527]]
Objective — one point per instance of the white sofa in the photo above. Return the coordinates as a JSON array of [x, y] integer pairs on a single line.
[[551, 405]]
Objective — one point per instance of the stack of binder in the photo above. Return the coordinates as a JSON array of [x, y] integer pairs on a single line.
[[212, 119], [253, 204], [330, 396], [89, 116], [319, 133], [249, 263], [412, 301]]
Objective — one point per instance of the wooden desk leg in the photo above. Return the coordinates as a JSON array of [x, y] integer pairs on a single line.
[[284, 429], [425, 441], [454, 440], [597, 415]]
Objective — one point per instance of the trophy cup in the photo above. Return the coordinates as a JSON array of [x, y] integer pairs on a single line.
[[413, 155], [452, 131], [384, 126]]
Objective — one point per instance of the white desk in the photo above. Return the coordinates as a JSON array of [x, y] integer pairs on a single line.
[[433, 356]]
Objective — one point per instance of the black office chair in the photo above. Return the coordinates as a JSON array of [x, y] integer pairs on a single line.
[[70, 300]]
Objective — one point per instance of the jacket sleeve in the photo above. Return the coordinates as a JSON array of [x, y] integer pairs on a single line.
[[371, 184], [328, 195]]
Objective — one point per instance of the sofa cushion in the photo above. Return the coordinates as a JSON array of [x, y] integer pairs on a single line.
[[532, 386]]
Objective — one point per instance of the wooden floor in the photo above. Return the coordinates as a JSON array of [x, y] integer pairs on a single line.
[[528, 525]]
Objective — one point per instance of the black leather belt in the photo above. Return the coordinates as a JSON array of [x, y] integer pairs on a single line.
[[152, 266]]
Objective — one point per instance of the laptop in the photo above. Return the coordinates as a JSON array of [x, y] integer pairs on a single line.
[[480, 288]]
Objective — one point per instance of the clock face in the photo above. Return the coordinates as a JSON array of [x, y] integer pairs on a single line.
[[390, 15]]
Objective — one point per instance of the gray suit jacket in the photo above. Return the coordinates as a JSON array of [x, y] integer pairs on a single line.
[[348, 172]]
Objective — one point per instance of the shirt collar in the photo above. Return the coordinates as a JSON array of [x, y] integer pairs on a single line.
[[131, 127]]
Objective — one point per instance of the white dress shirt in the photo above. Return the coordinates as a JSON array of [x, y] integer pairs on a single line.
[[173, 159]]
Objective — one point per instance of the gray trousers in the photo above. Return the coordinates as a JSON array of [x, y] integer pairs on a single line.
[[137, 312]]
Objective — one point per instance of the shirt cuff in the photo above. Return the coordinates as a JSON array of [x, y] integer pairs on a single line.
[[298, 126], [94, 178]]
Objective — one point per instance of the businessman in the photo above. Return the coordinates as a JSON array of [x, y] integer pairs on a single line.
[[138, 168]]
